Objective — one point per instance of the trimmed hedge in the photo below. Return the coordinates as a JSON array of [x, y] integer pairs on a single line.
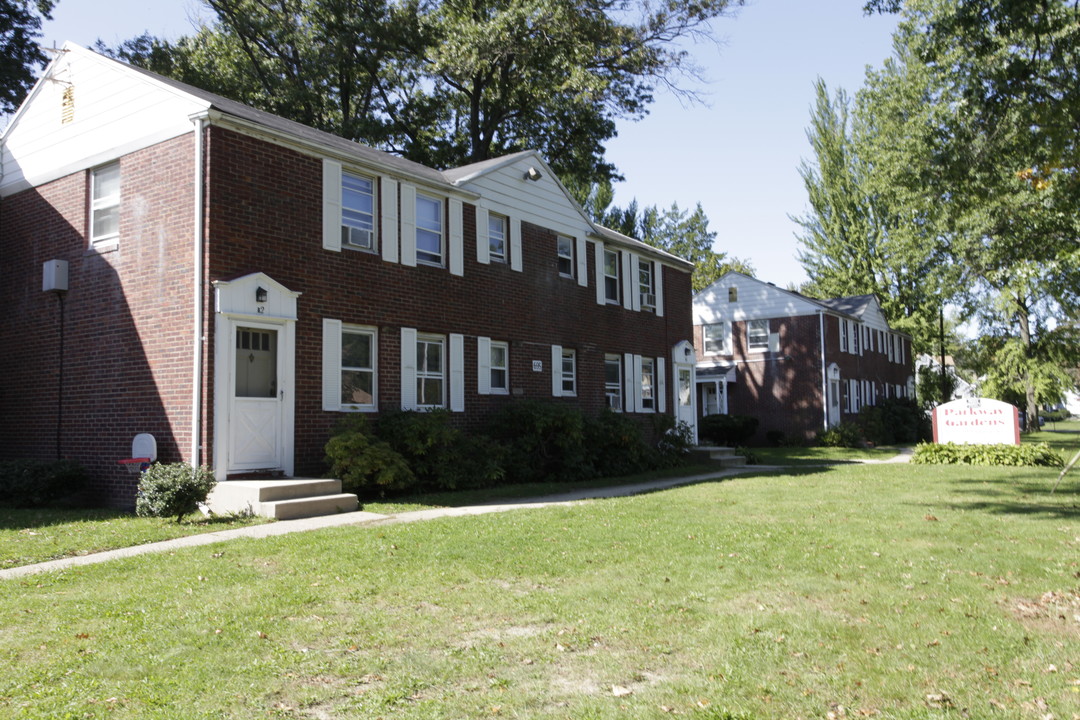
[[37, 483], [1003, 455]]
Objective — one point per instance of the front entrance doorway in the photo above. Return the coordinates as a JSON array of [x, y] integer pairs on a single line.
[[257, 404]]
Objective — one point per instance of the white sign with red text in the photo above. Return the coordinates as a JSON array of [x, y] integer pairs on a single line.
[[977, 421]]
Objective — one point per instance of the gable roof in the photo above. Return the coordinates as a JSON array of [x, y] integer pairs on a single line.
[[855, 305]]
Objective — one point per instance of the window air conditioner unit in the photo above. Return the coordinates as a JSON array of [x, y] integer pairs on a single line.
[[614, 402], [648, 300], [356, 237]]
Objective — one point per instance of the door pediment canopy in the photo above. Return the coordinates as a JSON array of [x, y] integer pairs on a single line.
[[256, 295]]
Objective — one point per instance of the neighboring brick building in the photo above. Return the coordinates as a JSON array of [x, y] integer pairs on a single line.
[[776, 355], [238, 282]]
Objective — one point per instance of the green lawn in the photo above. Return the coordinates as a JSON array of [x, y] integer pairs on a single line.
[[891, 591], [33, 536]]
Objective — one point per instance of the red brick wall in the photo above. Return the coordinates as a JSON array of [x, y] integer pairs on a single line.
[[127, 335], [266, 215]]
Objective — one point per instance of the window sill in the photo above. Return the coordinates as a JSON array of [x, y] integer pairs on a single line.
[[359, 408], [103, 246]]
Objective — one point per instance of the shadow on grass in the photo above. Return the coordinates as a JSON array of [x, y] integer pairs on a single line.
[[1028, 493], [22, 518]]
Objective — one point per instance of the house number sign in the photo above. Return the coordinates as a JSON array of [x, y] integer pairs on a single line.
[[538, 366]]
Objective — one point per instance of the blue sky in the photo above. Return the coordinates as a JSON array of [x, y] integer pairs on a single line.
[[738, 155]]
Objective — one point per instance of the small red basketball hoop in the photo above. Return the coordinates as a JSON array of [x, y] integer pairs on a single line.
[[135, 466]]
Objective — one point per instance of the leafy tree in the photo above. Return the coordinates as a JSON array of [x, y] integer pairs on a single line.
[[676, 231], [448, 82], [967, 136], [20, 26]]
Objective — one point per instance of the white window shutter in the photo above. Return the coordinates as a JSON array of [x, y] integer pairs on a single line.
[[582, 263], [628, 383], [483, 365], [515, 244], [658, 282], [638, 405], [635, 284], [408, 225], [661, 386], [331, 364], [408, 368], [628, 281], [331, 219], [601, 288], [774, 342], [389, 219], [556, 370], [457, 238], [457, 373], [483, 255]]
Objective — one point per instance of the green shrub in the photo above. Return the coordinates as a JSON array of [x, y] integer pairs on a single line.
[[727, 430], [775, 438], [674, 440], [544, 441], [1055, 416], [36, 483], [473, 461], [1010, 455], [847, 435], [616, 445], [425, 440], [173, 489], [363, 462], [896, 420]]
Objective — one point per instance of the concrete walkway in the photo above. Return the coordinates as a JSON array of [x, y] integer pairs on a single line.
[[285, 527]]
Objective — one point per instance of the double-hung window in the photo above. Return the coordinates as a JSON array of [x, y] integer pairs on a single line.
[[500, 368], [715, 338], [497, 238], [430, 371], [429, 230], [855, 339], [568, 372], [611, 276], [358, 353], [646, 284], [843, 335], [105, 204], [566, 256], [357, 212], [757, 335], [613, 381], [648, 384]]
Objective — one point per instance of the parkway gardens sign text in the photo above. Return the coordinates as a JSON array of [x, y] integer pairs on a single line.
[[977, 421]]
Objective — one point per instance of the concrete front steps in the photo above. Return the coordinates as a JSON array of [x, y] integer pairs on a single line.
[[726, 456], [285, 499]]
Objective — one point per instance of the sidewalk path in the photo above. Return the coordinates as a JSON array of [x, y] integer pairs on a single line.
[[285, 527]]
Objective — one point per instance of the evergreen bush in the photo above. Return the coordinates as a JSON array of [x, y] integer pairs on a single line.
[[38, 483], [172, 489], [1039, 454]]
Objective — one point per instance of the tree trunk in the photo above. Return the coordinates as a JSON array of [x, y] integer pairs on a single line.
[[1031, 408]]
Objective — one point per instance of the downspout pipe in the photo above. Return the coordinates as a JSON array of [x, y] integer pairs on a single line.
[[824, 374], [198, 304]]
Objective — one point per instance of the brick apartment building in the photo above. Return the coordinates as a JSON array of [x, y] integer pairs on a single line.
[[777, 355], [237, 282]]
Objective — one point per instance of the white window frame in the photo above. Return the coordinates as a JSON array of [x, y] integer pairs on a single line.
[[612, 278], [423, 373], [424, 256], [498, 238], [493, 368], [647, 284], [566, 257], [613, 391], [724, 340], [105, 204], [568, 373], [758, 346], [648, 385], [373, 334], [358, 223]]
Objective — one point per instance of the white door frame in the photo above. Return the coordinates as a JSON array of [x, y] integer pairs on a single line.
[[683, 359], [259, 302]]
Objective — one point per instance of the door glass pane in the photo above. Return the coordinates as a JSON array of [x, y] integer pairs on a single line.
[[256, 363], [684, 387]]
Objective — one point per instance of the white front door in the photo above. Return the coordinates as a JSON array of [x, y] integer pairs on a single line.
[[684, 396], [257, 407], [834, 402]]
